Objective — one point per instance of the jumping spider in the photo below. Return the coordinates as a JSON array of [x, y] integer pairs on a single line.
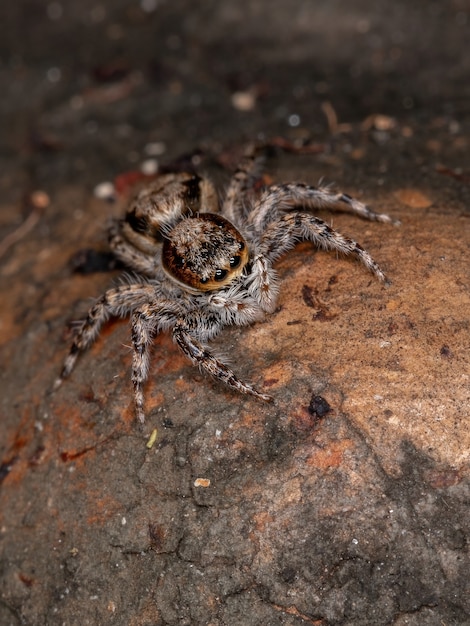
[[201, 266]]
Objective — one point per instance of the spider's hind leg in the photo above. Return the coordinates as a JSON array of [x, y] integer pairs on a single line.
[[145, 263], [242, 182]]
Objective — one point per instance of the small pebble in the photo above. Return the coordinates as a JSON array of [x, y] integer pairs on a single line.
[[243, 100], [152, 439], [104, 191], [40, 199], [202, 482], [149, 167]]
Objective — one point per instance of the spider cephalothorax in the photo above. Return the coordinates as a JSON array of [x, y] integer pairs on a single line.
[[204, 252], [205, 266]]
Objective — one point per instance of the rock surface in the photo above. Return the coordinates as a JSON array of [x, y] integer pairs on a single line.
[[345, 502]]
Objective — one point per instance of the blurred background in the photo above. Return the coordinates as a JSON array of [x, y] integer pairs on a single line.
[[91, 88]]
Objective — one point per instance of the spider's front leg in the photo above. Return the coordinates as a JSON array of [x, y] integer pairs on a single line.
[[276, 199], [247, 301], [290, 228], [199, 355]]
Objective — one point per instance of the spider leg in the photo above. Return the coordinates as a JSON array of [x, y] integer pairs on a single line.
[[146, 321], [276, 199], [262, 283], [199, 355], [290, 228], [130, 255], [116, 302], [236, 307], [242, 181]]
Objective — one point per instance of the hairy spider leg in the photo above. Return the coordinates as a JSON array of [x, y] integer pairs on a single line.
[[116, 302], [235, 205], [281, 235], [145, 323], [127, 253], [201, 356], [276, 199], [263, 283]]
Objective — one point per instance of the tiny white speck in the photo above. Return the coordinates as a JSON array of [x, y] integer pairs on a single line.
[[243, 100], [293, 120], [123, 521], [149, 167], [104, 190]]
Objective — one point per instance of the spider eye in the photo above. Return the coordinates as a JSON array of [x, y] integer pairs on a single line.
[[220, 275], [235, 261], [203, 281], [241, 245]]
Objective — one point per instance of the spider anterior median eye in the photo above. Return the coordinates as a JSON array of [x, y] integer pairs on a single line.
[[235, 261], [220, 274]]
